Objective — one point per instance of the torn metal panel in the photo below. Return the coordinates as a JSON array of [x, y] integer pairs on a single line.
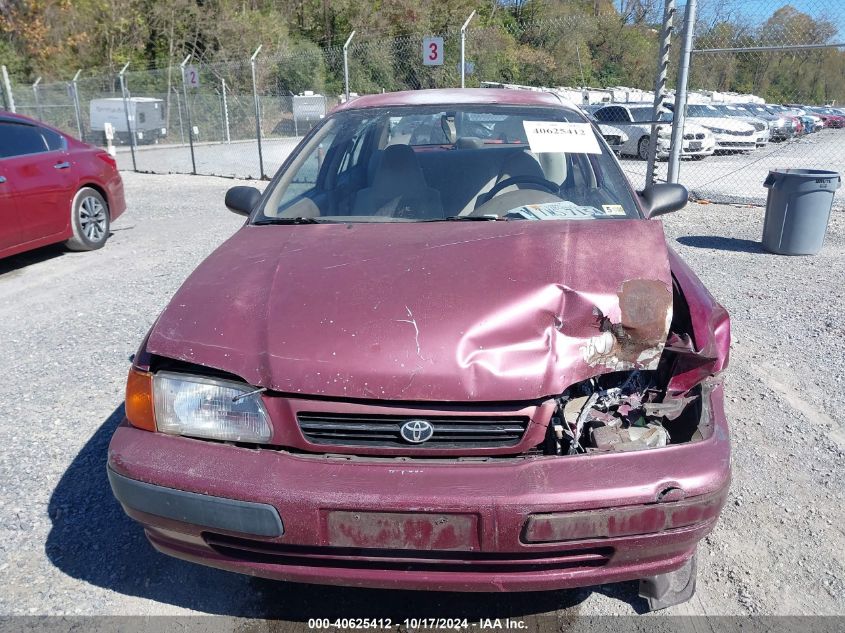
[[494, 311], [708, 351]]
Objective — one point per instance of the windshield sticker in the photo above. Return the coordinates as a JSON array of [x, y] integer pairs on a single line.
[[560, 136], [563, 210], [613, 209]]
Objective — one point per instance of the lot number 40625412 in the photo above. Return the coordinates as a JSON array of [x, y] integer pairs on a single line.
[[432, 51]]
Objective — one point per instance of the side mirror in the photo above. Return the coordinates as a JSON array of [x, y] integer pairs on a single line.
[[663, 198], [242, 200]]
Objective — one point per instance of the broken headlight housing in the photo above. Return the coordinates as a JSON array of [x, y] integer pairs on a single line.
[[211, 408], [623, 411]]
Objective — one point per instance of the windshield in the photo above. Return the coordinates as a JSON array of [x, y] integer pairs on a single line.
[[703, 111], [425, 163], [645, 115]]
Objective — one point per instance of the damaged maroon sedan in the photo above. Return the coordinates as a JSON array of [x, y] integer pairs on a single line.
[[448, 350]]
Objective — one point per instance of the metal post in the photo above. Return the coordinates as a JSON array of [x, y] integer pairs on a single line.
[[225, 110], [660, 86], [188, 115], [76, 109], [463, 49], [257, 112], [10, 97], [681, 94], [179, 110], [38, 99], [126, 112], [346, 64]]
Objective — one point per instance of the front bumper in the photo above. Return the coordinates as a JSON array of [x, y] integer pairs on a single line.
[[496, 525], [689, 148]]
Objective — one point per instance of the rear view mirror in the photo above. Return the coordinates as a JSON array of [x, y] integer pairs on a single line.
[[663, 198], [242, 200]]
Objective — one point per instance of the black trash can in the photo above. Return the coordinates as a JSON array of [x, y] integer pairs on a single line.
[[798, 209]]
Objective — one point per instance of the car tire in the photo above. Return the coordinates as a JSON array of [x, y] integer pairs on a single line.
[[89, 219], [675, 587], [642, 148]]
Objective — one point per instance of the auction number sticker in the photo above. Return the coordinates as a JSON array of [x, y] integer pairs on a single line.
[[561, 136]]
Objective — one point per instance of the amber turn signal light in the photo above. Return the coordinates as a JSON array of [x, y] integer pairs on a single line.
[[139, 400]]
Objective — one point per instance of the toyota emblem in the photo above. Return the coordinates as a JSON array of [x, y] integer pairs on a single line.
[[416, 431]]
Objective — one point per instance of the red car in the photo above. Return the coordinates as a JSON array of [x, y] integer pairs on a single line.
[[433, 362], [54, 188]]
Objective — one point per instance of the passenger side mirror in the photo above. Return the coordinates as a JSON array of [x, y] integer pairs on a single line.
[[663, 198], [242, 200]]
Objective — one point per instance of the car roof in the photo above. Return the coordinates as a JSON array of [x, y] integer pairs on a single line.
[[10, 117], [460, 96]]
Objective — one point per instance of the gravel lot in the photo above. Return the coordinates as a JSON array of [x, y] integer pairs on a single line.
[[731, 178], [69, 321]]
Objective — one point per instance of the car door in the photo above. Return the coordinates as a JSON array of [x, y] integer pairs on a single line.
[[38, 171], [10, 230]]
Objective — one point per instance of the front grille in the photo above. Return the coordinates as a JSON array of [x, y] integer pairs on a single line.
[[384, 430], [699, 135], [689, 136], [737, 144], [738, 133], [252, 551]]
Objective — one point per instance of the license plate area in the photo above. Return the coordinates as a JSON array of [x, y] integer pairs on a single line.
[[695, 145], [402, 530]]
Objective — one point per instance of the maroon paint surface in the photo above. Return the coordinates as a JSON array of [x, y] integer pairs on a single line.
[[494, 311]]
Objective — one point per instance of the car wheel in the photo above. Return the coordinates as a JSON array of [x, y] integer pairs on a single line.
[[666, 590], [642, 148], [89, 220]]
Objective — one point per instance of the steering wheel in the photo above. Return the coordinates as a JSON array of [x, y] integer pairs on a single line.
[[548, 185]]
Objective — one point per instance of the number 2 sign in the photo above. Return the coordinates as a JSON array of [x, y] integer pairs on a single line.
[[192, 77], [432, 51]]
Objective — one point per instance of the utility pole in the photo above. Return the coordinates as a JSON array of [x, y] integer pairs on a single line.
[[463, 49], [681, 94], [660, 86]]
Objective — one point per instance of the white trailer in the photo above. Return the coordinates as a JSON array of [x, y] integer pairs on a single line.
[[146, 118]]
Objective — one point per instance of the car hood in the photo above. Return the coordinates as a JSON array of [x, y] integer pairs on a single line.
[[448, 311]]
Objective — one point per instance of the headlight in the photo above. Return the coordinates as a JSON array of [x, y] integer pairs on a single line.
[[210, 408]]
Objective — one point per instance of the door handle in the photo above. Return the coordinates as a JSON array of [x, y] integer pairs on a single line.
[[63, 165]]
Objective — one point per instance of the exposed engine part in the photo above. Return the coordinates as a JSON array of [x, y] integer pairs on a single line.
[[621, 411]]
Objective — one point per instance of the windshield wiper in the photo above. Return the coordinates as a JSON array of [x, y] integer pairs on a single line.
[[464, 218], [297, 220]]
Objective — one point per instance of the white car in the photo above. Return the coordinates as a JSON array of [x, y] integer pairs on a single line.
[[615, 137], [761, 126], [731, 135], [635, 120]]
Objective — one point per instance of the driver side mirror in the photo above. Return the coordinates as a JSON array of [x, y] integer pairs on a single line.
[[663, 198], [242, 200]]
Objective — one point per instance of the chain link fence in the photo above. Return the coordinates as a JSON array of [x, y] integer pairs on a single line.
[[764, 86]]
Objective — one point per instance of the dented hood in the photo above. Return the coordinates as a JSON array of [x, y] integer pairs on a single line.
[[488, 311]]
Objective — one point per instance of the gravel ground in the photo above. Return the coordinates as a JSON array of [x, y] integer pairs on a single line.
[[68, 322]]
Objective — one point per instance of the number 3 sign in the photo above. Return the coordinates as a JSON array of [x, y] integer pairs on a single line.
[[432, 51]]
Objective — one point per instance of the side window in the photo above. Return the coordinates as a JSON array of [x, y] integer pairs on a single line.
[[602, 115], [20, 139], [54, 141]]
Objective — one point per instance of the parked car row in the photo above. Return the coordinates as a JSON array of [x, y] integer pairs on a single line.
[[709, 128]]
